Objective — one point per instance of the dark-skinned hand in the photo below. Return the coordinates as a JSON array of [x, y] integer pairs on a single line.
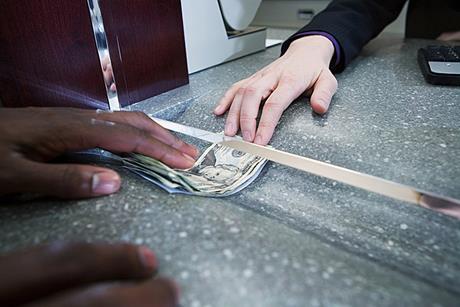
[[30, 137], [84, 274]]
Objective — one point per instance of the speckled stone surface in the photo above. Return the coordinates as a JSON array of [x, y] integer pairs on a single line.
[[293, 239]]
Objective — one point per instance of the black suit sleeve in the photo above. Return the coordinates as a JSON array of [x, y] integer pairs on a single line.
[[353, 23]]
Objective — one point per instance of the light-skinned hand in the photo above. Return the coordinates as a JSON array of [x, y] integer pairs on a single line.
[[304, 67], [30, 137]]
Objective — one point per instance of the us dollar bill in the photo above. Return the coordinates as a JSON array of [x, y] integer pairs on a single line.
[[219, 171]]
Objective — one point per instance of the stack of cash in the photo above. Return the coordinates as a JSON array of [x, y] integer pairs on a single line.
[[220, 171]]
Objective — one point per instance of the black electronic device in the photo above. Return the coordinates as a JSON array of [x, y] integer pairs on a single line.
[[440, 65]]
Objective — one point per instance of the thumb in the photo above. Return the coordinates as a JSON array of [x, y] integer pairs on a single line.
[[68, 180], [324, 88]]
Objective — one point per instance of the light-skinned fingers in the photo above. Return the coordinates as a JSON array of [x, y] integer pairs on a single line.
[[49, 269], [233, 116], [274, 107], [254, 93], [324, 88], [226, 101], [142, 121]]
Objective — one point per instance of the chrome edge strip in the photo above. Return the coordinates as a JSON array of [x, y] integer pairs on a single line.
[[102, 46]]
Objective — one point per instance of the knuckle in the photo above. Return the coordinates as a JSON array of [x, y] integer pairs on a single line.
[[334, 81], [250, 90], [139, 116], [288, 79], [75, 254], [246, 115], [328, 75], [233, 114], [72, 175], [141, 137], [267, 124], [142, 115], [241, 91], [273, 106], [177, 142], [246, 121], [165, 152]]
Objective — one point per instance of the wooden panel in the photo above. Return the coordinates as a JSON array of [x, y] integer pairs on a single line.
[[147, 48], [48, 55]]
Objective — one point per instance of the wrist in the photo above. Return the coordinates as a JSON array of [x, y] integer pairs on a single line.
[[318, 43]]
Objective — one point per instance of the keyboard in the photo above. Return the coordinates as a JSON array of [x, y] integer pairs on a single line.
[[440, 65]]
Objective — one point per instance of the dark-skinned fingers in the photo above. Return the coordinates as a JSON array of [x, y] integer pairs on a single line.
[[158, 292], [141, 121], [324, 88], [274, 107], [118, 137], [141, 141], [65, 130], [63, 180], [50, 269], [254, 93]]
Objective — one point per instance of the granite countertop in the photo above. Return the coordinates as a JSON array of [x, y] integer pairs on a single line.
[[290, 238]]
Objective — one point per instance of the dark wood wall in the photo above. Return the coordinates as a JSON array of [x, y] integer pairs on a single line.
[[48, 55], [147, 47]]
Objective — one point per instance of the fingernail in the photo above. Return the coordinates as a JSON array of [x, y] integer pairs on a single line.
[[148, 258], [247, 136], [258, 140], [105, 183], [218, 109], [189, 158], [229, 128]]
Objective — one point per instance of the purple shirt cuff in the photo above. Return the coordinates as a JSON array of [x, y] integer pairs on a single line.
[[329, 37]]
